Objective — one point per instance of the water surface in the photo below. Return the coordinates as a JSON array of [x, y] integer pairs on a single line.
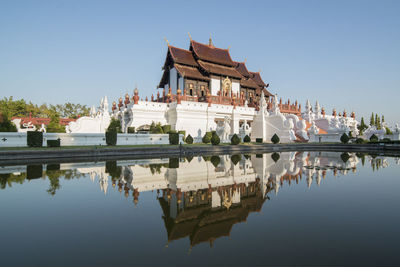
[[291, 208]]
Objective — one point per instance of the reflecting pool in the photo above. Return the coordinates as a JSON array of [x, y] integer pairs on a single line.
[[289, 208]]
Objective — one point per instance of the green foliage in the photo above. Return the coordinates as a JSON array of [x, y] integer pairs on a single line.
[[113, 170], [53, 143], [166, 128], [345, 157], [131, 130], [372, 120], [259, 156], [34, 139], [215, 140], [173, 138], [360, 141], [247, 156], [189, 139], [388, 131], [111, 137], [34, 171], [115, 126], [54, 125], [206, 158], [52, 167], [386, 140], [235, 140], [259, 140], [207, 138], [362, 126], [246, 139], [173, 163], [20, 108], [275, 156], [6, 125], [215, 160], [235, 159], [374, 138], [275, 139], [344, 138]]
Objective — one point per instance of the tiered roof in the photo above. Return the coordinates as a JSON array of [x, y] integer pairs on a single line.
[[202, 60]]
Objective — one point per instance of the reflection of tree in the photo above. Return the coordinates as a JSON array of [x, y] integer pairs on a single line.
[[10, 178], [54, 185]]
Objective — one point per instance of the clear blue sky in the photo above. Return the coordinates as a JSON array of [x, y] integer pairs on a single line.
[[346, 54]]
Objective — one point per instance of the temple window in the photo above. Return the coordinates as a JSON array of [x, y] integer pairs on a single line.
[[191, 87], [202, 90]]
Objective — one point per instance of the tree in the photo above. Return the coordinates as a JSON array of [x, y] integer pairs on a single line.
[[376, 120], [372, 120], [6, 125], [378, 123], [383, 119], [54, 125]]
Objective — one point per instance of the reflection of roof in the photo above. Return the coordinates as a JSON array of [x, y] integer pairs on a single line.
[[212, 54]]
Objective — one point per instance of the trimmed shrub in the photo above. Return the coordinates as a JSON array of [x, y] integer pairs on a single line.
[[34, 139], [189, 158], [259, 140], [215, 140], [344, 138], [53, 143], [173, 138], [189, 139], [275, 156], [207, 138], [215, 160], [111, 138], [34, 171], [173, 163], [166, 128], [131, 130], [246, 139], [235, 159], [235, 140], [359, 141], [275, 139], [345, 157], [115, 125], [374, 138]]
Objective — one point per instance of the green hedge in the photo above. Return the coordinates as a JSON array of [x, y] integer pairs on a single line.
[[215, 140], [111, 138], [235, 140], [54, 143], [259, 140], [173, 138], [166, 128], [359, 141], [246, 139], [275, 139], [344, 138], [34, 139], [183, 133], [207, 138], [374, 138], [189, 139], [131, 130]]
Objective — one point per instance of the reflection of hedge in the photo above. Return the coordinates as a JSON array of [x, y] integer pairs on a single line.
[[215, 160], [235, 159], [246, 139], [111, 138], [53, 167], [206, 158], [189, 139], [34, 139], [173, 163], [235, 140], [189, 158], [112, 169], [275, 156], [345, 157], [373, 138], [360, 141], [259, 156], [53, 143], [34, 171], [173, 138]]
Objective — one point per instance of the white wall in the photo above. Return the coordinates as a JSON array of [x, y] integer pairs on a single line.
[[215, 86], [85, 139]]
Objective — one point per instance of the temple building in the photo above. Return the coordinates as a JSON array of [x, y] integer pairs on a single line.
[[205, 69]]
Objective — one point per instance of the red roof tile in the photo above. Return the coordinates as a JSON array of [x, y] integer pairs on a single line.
[[219, 69], [212, 54], [182, 56], [190, 72], [257, 78]]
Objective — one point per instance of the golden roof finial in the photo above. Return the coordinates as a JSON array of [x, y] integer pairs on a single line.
[[166, 40], [245, 59], [210, 41], [190, 37], [229, 47]]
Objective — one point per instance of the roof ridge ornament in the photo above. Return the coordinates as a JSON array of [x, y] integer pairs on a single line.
[[190, 37], [210, 43], [166, 40]]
